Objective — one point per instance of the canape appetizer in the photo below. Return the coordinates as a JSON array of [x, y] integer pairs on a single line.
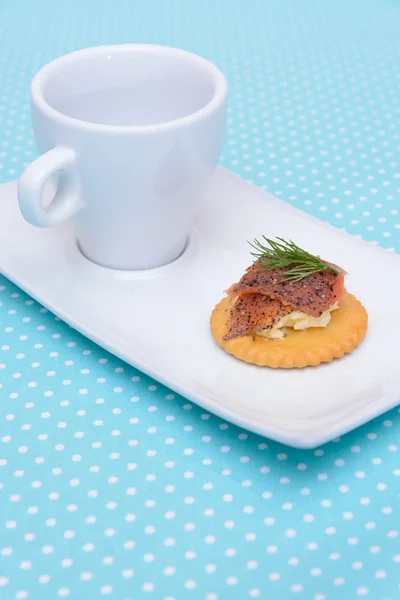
[[290, 309]]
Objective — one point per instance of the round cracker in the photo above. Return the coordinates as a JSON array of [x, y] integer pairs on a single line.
[[297, 349]]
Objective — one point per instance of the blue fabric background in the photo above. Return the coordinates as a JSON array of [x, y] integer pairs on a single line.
[[112, 486]]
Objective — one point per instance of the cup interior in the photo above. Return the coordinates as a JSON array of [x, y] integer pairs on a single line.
[[129, 86]]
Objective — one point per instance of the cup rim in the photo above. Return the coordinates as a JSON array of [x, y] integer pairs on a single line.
[[43, 75]]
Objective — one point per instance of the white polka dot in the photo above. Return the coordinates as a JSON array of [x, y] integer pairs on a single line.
[[330, 530], [127, 573], [148, 557], [308, 518], [169, 542], [290, 533], [190, 584], [352, 541], [362, 591], [312, 545], [209, 539], [91, 519], [380, 574]]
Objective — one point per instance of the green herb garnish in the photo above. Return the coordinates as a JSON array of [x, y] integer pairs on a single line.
[[279, 253]]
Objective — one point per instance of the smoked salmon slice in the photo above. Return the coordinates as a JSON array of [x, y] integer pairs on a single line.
[[252, 313], [312, 295]]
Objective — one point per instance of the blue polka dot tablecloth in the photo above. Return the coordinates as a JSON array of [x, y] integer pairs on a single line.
[[111, 486]]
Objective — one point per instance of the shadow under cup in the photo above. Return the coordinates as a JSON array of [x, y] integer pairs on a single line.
[[146, 124]]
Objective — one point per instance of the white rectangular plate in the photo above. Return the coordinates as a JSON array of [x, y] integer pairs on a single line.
[[158, 320]]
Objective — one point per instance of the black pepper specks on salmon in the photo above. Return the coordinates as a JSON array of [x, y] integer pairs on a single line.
[[252, 313], [312, 295]]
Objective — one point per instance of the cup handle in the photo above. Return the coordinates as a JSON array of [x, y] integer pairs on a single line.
[[67, 200]]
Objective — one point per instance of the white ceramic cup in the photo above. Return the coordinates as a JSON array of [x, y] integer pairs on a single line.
[[132, 135]]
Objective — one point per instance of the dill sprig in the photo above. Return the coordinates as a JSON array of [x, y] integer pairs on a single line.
[[279, 253]]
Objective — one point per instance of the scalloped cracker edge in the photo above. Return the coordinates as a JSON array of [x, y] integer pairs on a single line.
[[297, 349]]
